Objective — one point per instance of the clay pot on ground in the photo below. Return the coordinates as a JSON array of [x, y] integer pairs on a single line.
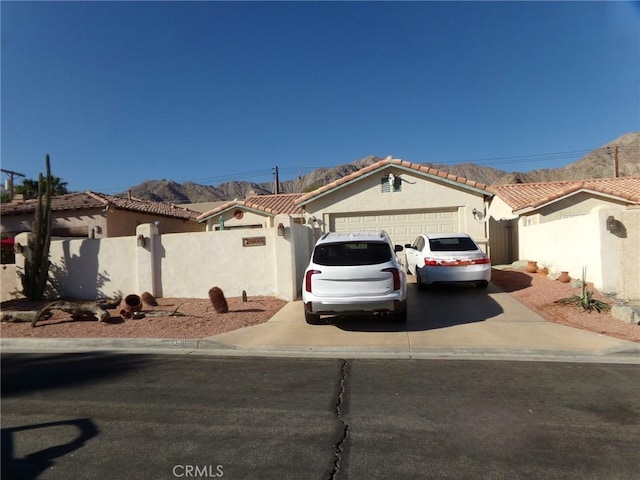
[[532, 267], [543, 271], [149, 299], [130, 304], [564, 277]]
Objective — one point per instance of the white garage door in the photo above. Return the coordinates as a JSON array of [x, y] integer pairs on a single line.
[[402, 227]]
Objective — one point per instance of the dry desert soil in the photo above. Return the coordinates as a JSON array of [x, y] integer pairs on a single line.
[[181, 318]]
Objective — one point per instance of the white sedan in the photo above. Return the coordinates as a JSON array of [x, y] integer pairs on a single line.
[[447, 258]]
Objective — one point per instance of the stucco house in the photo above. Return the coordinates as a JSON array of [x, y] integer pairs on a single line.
[[96, 215], [535, 203], [405, 199], [256, 211], [572, 224]]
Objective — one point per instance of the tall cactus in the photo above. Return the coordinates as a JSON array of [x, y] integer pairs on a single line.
[[36, 271]]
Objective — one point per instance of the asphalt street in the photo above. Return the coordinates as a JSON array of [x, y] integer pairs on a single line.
[[118, 416]]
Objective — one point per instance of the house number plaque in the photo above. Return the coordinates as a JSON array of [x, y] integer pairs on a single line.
[[254, 241]]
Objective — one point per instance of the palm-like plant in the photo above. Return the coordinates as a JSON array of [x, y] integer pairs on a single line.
[[29, 187]]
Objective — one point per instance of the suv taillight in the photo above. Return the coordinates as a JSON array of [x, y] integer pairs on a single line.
[[307, 279], [396, 276]]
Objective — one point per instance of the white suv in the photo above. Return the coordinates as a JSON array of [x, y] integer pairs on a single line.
[[352, 273]]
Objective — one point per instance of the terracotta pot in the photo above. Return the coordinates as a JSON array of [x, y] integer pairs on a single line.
[[130, 304], [564, 277], [532, 267], [543, 271]]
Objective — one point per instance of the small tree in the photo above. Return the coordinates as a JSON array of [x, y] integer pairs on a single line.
[[36, 268]]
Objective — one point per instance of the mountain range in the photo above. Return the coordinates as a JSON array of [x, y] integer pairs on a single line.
[[597, 164]]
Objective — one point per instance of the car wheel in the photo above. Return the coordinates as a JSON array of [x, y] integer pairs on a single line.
[[401, 315], [419, 283], [311, 318], [482, 284]]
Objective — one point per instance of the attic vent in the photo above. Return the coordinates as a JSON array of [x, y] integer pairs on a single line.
[[386, 182]]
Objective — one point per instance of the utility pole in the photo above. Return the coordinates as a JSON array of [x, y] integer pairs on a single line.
[[11, 174], [616, 166], [277, 181]]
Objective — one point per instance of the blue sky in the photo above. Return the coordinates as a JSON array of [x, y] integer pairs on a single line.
[[122, 92]]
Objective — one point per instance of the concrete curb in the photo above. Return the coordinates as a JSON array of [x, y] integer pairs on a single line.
[[621, 354]]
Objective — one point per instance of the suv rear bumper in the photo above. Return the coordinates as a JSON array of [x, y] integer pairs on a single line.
[[339, 306]]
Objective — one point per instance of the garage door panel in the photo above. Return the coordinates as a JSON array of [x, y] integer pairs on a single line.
[[403, 227]]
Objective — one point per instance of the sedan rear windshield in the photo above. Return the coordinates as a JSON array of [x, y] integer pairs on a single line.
[[452, 244], [352, 253]]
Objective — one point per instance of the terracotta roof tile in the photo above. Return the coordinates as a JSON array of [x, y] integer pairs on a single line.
[[391, 161], [88, 200], [532, 195], [272, 204]]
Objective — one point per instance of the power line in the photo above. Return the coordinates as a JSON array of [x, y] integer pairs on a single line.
[[502, 160]]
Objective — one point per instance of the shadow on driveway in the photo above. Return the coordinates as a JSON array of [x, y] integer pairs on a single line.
[[436, 307]]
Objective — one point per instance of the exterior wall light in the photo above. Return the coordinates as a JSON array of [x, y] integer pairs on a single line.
[[140, 241], [612, 224], [281, 230], [18, 248]]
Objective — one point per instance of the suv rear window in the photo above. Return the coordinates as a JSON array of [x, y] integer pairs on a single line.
[[351, 253], [452, 244]]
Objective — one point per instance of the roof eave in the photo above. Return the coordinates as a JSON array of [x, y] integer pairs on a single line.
[[534, 207], [206, 216], [398, 166]]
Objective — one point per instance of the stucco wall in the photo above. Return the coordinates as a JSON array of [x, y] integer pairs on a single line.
[[8, 282], [122, 223], [181, 264], [193, 263], [115, 223], [611, 258], [93, 268], [85, 219], [578, 204]]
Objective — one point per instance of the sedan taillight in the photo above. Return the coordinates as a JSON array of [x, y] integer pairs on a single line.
[[396, 277], [483, 260], [432, 262], [307, 279]]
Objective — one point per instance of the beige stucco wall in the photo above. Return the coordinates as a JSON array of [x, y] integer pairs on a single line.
[[181, 264], [8, 282], [578, 204], [122, 223], [418, 193], [500, 210], [611, 259], [114, 223], [85, 220]]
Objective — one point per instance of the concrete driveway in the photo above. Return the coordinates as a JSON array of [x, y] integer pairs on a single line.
[[443, 321]]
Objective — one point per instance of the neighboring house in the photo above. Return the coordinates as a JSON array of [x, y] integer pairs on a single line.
[[403, 198], [257, 211], [96, 215], [574, 224], [535, 203]]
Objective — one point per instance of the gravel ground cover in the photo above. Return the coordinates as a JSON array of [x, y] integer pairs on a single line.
[[539, 293], [183, 318]]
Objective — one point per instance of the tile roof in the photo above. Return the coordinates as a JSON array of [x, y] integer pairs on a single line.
[[271, 204], [382, 164], [521, 196], [88, 200]]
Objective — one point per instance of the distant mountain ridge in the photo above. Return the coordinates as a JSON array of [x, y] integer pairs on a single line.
[[597, 164]]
